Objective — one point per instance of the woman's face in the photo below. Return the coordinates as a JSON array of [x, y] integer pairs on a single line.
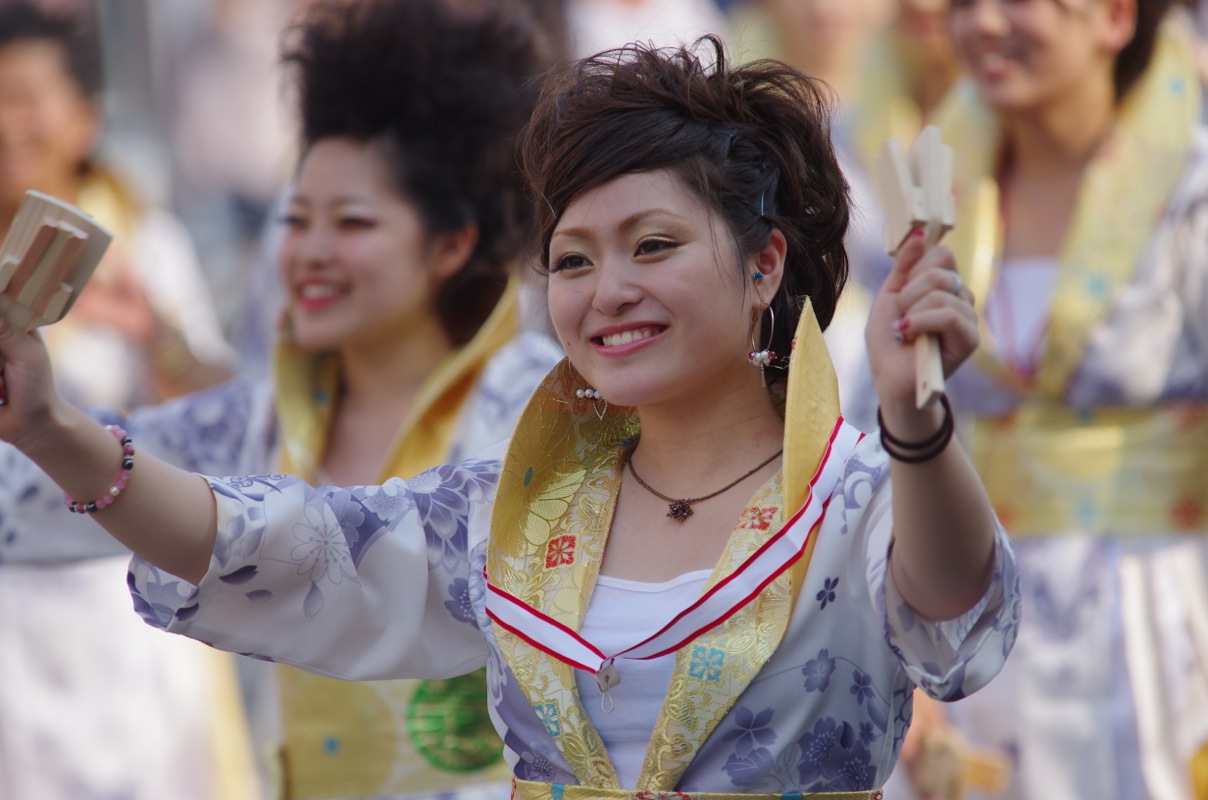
[[356, 260], [1027, 54], [47, 125], [646, 293], [923, 24]]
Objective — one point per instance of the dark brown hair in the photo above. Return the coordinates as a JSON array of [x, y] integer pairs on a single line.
[[753, 142], [73, 31], [1134, 59], [442, 90]]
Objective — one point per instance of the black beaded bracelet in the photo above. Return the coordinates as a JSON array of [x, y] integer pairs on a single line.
[[918, 452]]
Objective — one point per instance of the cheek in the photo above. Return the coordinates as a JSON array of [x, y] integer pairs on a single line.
[[566, 308], [370, 260], [286, 254]]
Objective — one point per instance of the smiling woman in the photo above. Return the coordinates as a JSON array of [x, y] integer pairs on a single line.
[[691, 217], [1082, 168]]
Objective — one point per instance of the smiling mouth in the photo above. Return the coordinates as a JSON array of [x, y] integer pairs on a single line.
[[626, 337], [992, 61], [318, 291]]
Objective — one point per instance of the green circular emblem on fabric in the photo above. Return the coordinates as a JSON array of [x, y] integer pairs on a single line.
[[449, 724]]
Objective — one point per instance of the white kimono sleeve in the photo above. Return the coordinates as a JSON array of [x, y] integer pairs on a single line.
[[363, 583], [220, 431], [952, 659]]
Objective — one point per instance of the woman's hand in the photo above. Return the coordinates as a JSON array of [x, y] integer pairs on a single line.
[[922, 294], [26, 386]]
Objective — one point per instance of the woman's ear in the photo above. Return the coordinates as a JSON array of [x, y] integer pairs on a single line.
[[1120, 18], [767, 266], [452, 249]]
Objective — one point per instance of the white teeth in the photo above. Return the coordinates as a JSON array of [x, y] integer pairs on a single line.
[[317, 291], [627, 337], [993, 61]]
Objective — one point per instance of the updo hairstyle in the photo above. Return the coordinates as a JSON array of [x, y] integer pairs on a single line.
[[752, 142], [442, 89]]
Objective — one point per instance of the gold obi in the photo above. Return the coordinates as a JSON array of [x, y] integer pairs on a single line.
[[530, 790], [1123, 472]]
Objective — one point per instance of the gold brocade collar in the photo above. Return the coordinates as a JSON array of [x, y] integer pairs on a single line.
[[307, 385], [1123, 195], [551, 519]]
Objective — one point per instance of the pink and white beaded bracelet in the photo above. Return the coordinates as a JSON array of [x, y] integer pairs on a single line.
[[123, 478]]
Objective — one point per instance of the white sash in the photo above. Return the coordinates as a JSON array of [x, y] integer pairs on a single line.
[[713, 608]]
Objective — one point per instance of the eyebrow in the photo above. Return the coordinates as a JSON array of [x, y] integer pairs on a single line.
[[342, 200], [627, 224]]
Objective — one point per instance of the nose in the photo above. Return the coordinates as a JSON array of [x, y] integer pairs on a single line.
[[987, 17], [309, 244], [615, 287]]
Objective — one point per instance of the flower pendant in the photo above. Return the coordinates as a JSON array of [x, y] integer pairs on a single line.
[[680, 510]]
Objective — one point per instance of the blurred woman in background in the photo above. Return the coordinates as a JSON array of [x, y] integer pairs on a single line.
[[147, 312], [1082, 177], [405, 343]]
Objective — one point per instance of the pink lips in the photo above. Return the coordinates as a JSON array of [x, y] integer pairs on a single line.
[[315, 295], [620, 340]]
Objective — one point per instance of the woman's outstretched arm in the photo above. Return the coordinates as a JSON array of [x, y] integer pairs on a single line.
[[165, 515]]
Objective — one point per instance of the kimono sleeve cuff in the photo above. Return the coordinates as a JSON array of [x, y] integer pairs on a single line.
[[166, 601], [954, 658]]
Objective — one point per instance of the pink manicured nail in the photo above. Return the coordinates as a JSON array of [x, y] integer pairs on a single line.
[[917, 232], [902, 325]]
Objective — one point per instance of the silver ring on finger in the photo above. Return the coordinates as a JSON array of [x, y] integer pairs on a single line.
[[957, 283]]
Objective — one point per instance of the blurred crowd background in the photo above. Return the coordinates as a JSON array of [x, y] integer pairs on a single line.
[[197, 122]]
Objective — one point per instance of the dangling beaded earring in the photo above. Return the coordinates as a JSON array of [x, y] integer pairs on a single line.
[[763, 358], [596, 398]]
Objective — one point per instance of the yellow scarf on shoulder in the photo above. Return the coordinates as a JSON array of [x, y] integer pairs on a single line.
[[345, 739]]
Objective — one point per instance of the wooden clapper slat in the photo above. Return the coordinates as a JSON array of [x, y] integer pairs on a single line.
[[915, 189], [49, 253]]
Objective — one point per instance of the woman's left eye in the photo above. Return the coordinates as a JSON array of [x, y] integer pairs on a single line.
[[648, 247]]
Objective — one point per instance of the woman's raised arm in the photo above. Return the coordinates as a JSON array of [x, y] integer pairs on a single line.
[[163, 514], [944, 526]]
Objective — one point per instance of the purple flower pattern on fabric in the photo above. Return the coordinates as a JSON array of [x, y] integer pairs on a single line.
[[833, 758], [818, 670], [750, 729], [827, 593]]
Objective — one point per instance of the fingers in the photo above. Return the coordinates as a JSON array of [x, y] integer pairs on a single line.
[[14, 342], [907, 257], [933, 275], [940, 317]]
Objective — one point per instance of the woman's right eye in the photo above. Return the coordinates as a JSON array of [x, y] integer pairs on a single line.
[[293, 221], [568, 261]]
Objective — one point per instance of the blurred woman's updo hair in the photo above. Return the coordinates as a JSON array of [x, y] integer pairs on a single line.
[[753, 142], [442, 90]]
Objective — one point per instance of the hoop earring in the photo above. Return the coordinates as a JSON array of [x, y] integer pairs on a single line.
[[596, 398], [762, 358]]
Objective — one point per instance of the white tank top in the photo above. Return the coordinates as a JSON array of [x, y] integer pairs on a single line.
[[621, 613]]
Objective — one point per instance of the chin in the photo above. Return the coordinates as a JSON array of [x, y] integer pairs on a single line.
[[316, 341]]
